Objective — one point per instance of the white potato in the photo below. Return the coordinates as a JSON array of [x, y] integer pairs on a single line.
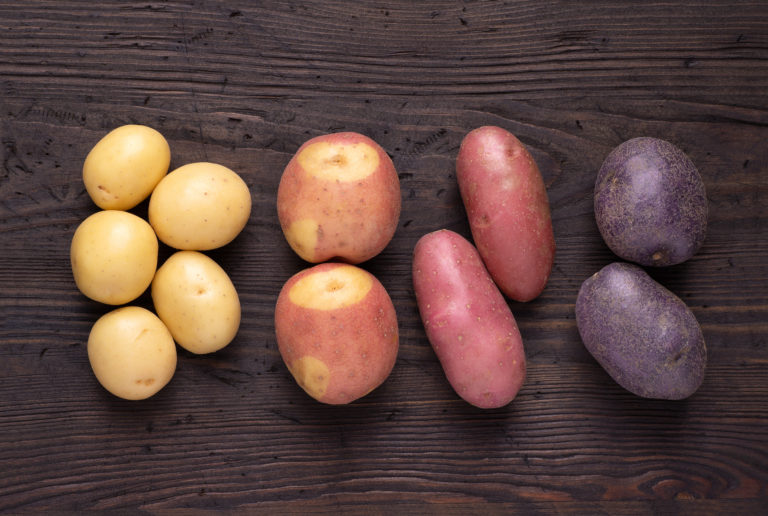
[[123, 168], [131, 353], [196, 299], [199, 206], [113, 256]]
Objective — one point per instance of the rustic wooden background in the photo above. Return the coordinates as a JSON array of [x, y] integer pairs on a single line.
[[244, 84]]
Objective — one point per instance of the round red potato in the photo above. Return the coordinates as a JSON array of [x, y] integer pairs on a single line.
[[337, 331], [339, 198]]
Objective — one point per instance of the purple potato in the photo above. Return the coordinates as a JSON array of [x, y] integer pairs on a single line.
[[643, 335], [650, 203]]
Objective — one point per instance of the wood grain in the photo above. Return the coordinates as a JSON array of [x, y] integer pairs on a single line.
[[244, 85]]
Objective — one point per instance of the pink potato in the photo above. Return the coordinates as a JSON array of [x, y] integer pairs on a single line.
[[467, 320], [337, 332], [508, 211], [339, 199]]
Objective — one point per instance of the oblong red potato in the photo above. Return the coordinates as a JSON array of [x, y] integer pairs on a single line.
[[467, 320], [508, 210], [339, 198], [336, 330]]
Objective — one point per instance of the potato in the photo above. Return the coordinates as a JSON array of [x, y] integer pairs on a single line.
[[339, 198], [467, 320], [113, 256], [650, 203], [131, 353], [199, 206], [337, 331], [196, 299], [123, 168], [642, 334], [508, 211]]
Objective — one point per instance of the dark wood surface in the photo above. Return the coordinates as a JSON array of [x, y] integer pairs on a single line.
[[244, 84]]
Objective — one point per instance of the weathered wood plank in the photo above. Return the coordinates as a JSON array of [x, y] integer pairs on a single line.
[[245, 86]]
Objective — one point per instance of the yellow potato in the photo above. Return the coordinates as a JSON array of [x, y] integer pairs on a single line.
[[199, 206], [124, 167], [131, 353], [113, 256], [195, 298]]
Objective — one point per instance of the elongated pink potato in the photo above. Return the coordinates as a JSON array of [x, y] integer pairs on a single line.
[[508, 211], [467, 320]]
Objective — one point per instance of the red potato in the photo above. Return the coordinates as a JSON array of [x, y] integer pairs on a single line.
[[339, 199], [508, 211], [336, 330], [467, 320]]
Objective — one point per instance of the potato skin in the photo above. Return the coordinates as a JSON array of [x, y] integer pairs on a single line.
[[199, 207], [355, 345], [113, 255], [643, 335], [353, 220], [131, 352], [508, 210], [650, 203], [196, 299], [123, 168], [467, 320]]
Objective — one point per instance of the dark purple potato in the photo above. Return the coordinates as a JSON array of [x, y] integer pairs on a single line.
[[642, 334], [650, 203]]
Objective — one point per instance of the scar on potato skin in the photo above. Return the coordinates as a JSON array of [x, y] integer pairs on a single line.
[[311, 374]]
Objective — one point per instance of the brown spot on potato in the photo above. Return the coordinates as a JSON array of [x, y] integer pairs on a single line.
[[484, 220], [334, 285]]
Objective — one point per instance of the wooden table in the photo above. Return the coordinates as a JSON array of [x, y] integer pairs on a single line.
[[243, 85]]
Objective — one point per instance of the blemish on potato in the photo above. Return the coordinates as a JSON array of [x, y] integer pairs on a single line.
[[328, 290], [311, 374], [334, 285], [338, 161]]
